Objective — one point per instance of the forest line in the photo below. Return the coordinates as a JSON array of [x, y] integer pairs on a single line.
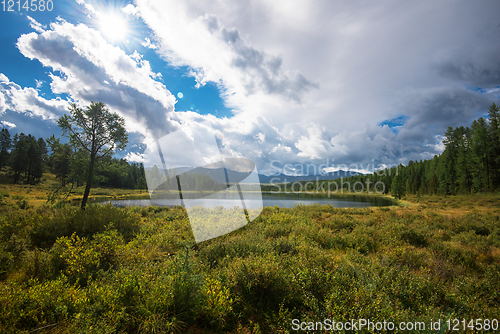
[[470, 163]]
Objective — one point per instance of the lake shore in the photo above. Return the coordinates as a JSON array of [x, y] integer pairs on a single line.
[[37, 195]]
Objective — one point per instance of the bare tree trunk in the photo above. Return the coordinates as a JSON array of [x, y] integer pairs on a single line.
[[90, 177]]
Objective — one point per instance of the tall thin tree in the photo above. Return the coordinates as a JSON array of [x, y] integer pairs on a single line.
[[96, 130]]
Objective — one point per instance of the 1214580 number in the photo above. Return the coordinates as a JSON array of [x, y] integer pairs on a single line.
[[27, 5]]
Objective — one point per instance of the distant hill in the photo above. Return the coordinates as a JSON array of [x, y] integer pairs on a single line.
[[218, 175]]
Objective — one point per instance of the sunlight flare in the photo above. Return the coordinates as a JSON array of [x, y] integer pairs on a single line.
[[113, 26]]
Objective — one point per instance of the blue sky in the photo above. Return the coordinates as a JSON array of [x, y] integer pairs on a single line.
[[28, 73], [289, 82]]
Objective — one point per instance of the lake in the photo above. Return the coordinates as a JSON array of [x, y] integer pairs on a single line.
[[252, 201]]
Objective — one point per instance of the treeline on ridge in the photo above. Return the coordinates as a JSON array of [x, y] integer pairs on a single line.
[[26, 158], [469, 164]]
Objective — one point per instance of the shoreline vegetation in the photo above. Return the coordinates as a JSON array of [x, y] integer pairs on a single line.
[[37, 195], [138, 269]]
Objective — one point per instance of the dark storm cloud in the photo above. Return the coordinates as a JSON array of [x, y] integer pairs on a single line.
[[260, 70], [475, 60], [473, 74], [436, 110]]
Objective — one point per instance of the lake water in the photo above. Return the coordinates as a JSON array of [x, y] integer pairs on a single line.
[[230, 200]]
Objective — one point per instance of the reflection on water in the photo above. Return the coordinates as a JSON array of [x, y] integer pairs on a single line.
[[268, 199]]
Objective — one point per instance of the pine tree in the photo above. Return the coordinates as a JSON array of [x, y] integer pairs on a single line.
[[60, 159], [463, 164], [494, 147], [5, 144], [34, 171], [398, 184], [19, 156], [480, 155]]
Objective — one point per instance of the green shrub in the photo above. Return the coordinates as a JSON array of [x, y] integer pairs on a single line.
[[38, 264], [260, 283], [3, 194], [138, 270], [83, 258], [38, 304], [6, 263], [227, 248], [414, 238], [85, 223]]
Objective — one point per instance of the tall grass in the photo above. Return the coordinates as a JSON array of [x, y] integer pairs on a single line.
[[138, 269]]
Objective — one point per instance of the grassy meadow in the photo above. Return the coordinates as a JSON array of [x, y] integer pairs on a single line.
[[138, 269], [37, 195]]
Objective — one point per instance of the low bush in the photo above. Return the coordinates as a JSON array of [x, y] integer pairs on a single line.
[[84, 223], [138, 270]]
